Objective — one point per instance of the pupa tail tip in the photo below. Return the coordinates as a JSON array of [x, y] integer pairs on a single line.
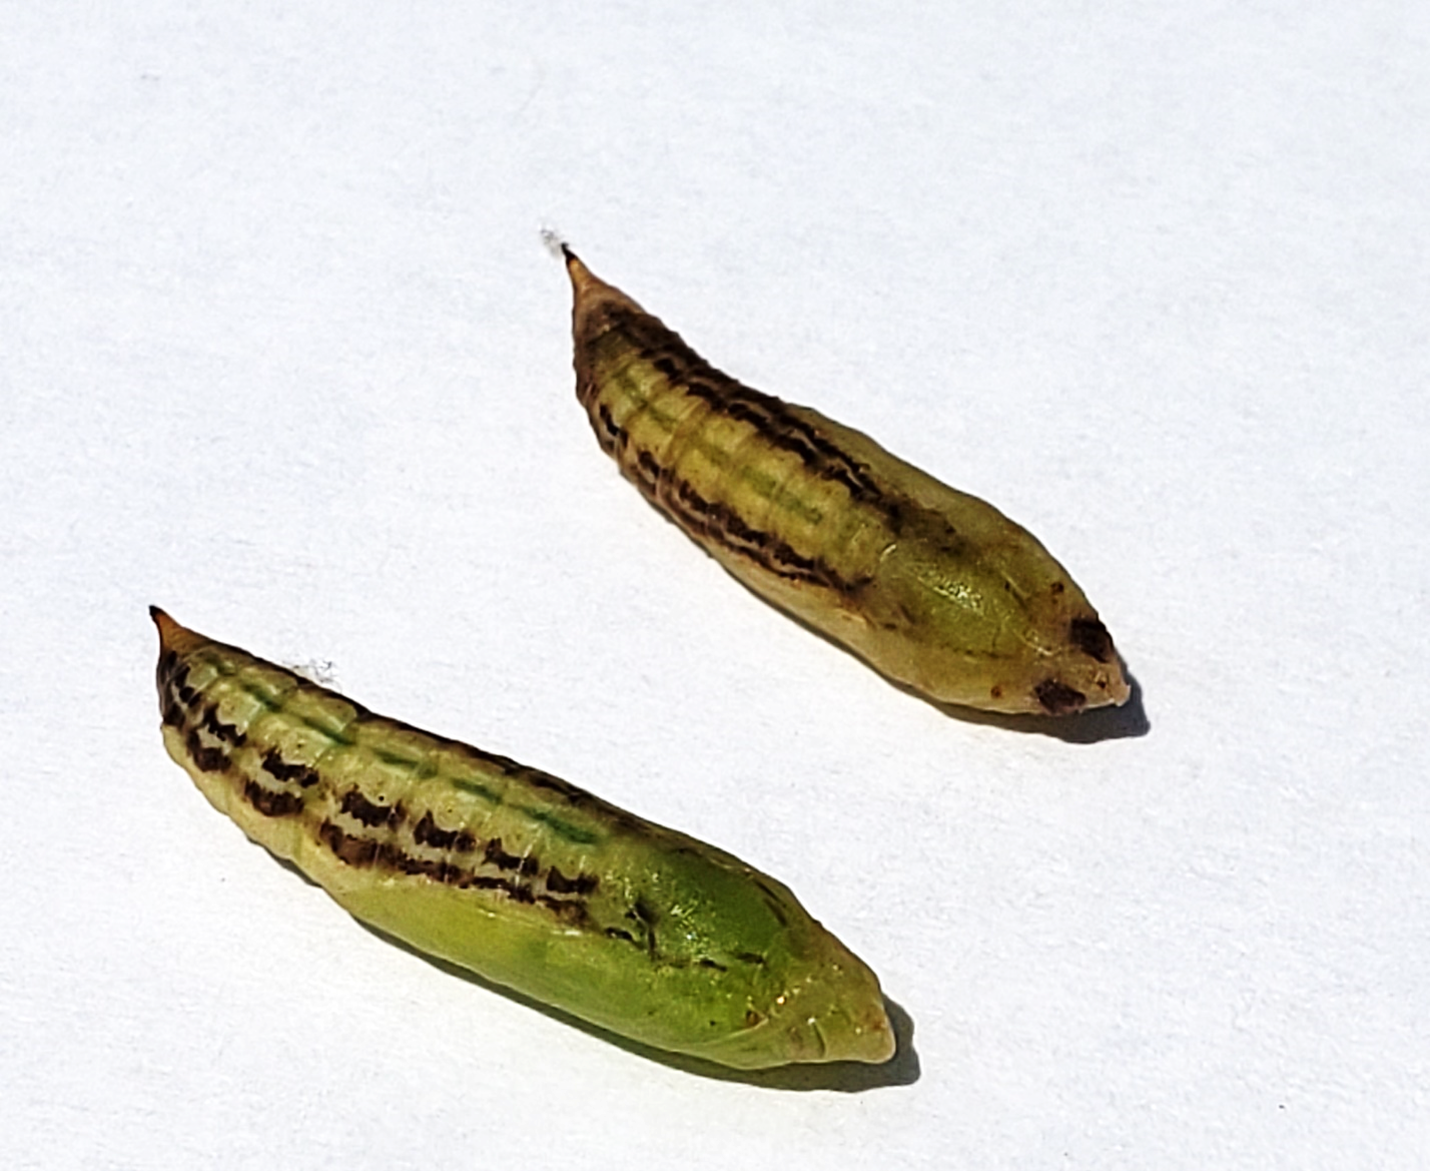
[[167, 627]]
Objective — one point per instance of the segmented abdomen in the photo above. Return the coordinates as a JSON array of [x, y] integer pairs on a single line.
[[933, 587], [322, 781], [514, 873], [742, 472]]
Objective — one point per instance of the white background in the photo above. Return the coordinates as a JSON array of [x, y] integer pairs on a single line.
[[281, 351]]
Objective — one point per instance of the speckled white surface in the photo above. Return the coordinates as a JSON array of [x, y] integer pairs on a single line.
[[281, 351]]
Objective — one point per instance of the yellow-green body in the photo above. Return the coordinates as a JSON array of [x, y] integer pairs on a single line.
[[934, 588], [515, 874]]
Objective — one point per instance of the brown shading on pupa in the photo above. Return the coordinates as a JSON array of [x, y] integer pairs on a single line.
[[934, 588]]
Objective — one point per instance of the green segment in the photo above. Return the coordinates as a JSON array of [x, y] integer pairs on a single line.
[[337, 736], [666, 940], [397, 760], [476, 788], [761, 483], [265, 698], [560, 826]]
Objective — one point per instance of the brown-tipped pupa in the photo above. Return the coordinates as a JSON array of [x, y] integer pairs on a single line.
[[933, 587], [516, 874]]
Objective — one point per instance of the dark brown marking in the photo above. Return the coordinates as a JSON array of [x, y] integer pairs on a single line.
[[518, 892], [359, 851], [1090, 635], [370, 813], [280, 770], [573, 911], [172, 676], [749, 957], [558, 883], [269, 803], [356, 850], [894, 516], [176, 676], [349, 848], [647, 916], [503, 764], [617, 933], [608, 434], [496, 856], [445, 872], [164, 671], [716, 521], [688, 372], [788, 434], [228, 732], [1058, 699], [574, 796], [649, 468], [720, 523], [772, 900], [427, 833], [211, 760]]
